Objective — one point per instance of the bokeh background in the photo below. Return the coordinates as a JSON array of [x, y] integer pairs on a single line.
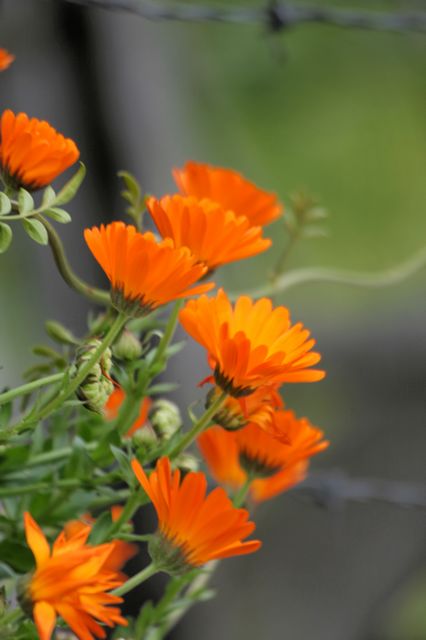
[[340, 113]]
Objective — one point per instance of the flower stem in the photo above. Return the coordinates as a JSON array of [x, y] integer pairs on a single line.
[[136, 580], [136, 499], [25, 389], [96, 295], [75, 382], [198, 426], [241, 494], [169, 331]]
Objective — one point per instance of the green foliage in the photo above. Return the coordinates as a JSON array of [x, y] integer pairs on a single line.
[[6, 236]]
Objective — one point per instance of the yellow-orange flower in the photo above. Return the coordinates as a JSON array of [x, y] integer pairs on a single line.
[[252, 344], [230, 189], [214, 235], [72, 581], [32, 152], [6, 59], [234, 457], [114, 403], [303, 438], [235, 413], [193, 528], [144, 273]]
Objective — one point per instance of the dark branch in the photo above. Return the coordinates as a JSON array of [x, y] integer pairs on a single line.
[[332, 489], [276, 17]]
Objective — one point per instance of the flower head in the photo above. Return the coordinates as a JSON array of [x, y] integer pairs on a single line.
[[6, 59], [235, 456], [257, 408], [252, 344], [214, 235], [73, 580], [230, 189], [32, 152], [144, 273], [193, 528]]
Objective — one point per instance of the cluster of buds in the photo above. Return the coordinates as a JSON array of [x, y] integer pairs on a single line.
[[97, 387]]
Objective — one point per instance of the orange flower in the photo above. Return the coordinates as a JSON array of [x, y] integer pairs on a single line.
[[251, 345], [114, 403], [72, 581], [236, 413], [144, 274], [230, 189], [214, 235], [235, 456], [304, 439], [32, 153], [193, 528], [6, 59]]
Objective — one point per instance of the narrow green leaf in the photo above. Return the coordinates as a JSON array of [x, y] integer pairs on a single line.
[[59, 215], [133, 186], [6, 236], [59, 333], [25, 202], [36, 231], [5, 204], [100, 528], [124, 464], [49, 197], [5, 414], [69, 190]]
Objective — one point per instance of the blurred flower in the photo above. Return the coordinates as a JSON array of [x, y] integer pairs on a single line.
[[6, 59], [144, 273], [250, 453], [114, 403], [252, 344], [214, 235], [230, 189], [236, 413], [33, 153], [193, 528], [72, 581], [303, 438]]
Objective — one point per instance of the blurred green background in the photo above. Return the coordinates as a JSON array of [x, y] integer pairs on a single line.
[[340, 113]]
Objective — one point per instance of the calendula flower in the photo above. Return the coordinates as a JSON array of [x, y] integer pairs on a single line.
[[6, 59], [144, 273], [257, 408], [252, 344], [32, 152], [230, 189], [250, 454], [303, 438], [214, 235], [114, 403], [193, 528], [72, 580]]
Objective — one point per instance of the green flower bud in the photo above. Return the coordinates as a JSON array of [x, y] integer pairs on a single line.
[[96, 388], [165, 418], [186, 462], [145, 438], [127, 347]]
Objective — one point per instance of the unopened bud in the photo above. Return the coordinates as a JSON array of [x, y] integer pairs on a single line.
[[230, 415], [96, 388], [127, 347], [165, 418], [186, 462], [145, 438]]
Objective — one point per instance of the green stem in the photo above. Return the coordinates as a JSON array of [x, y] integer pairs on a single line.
[[136, 580], [169, 331], [96, 295], [240, 496], [136, 499], [75, 382], [198, 426], [55, 455], [25, 389]]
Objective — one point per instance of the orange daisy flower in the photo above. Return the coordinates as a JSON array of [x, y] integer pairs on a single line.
[[144, 273], [233, 457], [257, 408], [252, 344], [193, 528], [230, 189], [114, 403], [72, 581], [32, 152], [304, 439], [213, 234], [6, 59]]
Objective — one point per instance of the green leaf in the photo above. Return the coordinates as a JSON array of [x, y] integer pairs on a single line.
[[5, 414], [6, 236], [49, 197], [100, 528], [5, 204], [59, 333], [69, 190], [36, 230], [124, 464], [134, 193], [59, 215], [162, 387], [25, 201], [18, 556]]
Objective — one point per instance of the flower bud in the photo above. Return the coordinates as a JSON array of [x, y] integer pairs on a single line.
[[186, 462], [96, 388], [230, 415], [145, 438], [127, 347], [165, 418]]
